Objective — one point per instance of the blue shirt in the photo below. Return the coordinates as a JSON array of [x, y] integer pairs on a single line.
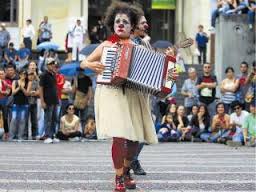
[[23, 53], [11, 53], [201, 40]]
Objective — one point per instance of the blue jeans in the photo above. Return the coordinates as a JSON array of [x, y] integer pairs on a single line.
[[82, 114], [238, 136], [205, 136], [251, 15], [41, 127], [18, 122], [3, 105], [50, 120], [219, 134]]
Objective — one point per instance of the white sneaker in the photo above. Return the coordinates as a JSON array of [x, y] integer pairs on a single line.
[[250, 26], [55, 140], [212, 30], [75, 139], [48, 141]]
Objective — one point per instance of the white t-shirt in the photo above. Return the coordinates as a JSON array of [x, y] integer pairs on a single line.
[[78, 33], [69, 127], [238, 119], [29, 31]]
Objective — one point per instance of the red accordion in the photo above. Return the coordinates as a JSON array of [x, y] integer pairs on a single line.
[[137, 68]]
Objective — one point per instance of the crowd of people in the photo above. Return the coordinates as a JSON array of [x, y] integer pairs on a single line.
[[229, 119], [231, 7], [43, 103], [39, 103]]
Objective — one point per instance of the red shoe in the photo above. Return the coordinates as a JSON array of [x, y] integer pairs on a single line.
[[120, 187], [129, 182]]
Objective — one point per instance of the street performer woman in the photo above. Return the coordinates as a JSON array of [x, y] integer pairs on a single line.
[[121, 114]]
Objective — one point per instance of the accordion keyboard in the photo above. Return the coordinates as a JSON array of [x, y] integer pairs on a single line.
[[109, 55]]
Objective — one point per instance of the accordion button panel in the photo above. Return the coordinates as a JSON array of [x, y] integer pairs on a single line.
[[108, 57]]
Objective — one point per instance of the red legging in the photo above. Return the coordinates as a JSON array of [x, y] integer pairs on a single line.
[[123, 149]]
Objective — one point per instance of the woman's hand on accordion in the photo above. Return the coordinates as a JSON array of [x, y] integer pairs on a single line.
[[172, 74], [96, 66]]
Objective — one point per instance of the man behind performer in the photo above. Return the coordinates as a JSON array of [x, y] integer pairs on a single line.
[[138, 38]]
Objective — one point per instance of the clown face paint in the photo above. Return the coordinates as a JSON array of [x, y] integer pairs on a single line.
[[122, 26]]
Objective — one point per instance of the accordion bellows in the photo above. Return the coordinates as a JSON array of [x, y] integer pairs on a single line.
[[137, 68]]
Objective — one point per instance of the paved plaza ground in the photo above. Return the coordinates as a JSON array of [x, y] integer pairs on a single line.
[[86, 166]]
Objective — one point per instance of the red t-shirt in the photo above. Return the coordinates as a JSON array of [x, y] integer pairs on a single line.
[[4, 87], [60, 82]]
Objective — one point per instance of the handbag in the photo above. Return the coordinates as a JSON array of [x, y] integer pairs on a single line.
[[81, 100]]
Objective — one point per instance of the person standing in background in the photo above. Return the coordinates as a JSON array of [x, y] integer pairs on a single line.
[[45, 30], [28, 34], [78, 37], [201, 44], [102, 30], [4, 40]]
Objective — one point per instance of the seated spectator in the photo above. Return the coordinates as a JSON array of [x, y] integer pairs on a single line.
[[23, 56], [90, 128], [223, 8], [220, 128], [171, 109], [10, 54], [168, 131], [69, 125], [239, 7], [20, 107], [237, 119], [200, 124], [190, 91], [249, 128], [251, 13], [193, 112], [228, 88], [181, 122]]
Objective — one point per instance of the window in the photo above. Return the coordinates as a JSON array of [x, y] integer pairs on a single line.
[[8, 11]]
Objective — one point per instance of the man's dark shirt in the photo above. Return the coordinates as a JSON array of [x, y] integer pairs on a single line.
[[48, 82]]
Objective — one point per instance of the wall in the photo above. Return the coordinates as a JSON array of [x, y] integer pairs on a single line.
[[189, 14], [234, 43], [62, 15]]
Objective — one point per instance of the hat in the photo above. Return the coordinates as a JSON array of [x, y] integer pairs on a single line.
[[50, 61]]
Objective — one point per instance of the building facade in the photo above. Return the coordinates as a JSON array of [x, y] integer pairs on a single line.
[[177, 22]]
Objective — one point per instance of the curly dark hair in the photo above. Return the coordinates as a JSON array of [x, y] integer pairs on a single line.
[[121, 8]]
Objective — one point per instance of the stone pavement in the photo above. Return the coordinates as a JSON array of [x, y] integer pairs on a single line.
[[171, 167]]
